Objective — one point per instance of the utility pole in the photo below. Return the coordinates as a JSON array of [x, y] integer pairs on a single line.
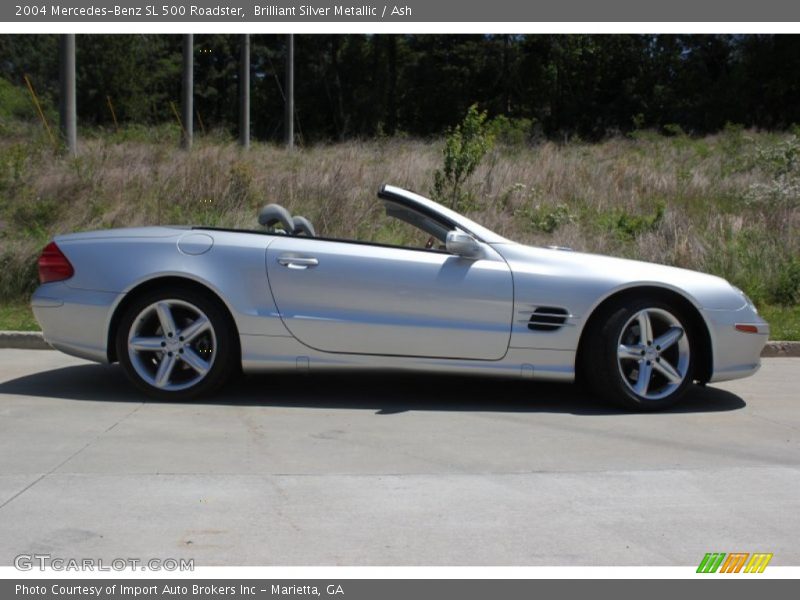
[[288, 123], [244, 92], [391, 118], [187, 91], [67, 103]]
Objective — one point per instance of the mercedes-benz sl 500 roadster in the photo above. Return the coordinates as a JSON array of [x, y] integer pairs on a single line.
[[183, 308]]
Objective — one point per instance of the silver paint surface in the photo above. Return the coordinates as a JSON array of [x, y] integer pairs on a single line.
[[300, 302]]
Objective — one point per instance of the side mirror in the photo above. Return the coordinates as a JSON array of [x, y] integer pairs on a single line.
[[462, 244]]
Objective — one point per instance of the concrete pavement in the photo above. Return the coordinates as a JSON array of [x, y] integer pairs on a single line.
[[392, 470]]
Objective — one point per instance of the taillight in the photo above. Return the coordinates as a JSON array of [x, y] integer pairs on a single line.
[[745, 328], [53, 265]]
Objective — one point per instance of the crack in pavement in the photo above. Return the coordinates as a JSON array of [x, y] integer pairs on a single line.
[[71, 456]]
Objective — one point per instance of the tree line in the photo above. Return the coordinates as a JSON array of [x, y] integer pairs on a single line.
[[356, 86]]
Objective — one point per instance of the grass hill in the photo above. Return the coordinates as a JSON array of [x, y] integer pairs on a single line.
[[727, 204]]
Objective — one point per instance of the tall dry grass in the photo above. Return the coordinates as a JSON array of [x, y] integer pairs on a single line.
[[722, 204]]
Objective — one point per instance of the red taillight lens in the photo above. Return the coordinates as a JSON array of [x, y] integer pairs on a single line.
[[53, 265], [746, 328]]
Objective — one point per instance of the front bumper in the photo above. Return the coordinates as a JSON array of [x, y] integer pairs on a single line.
[[74, 321], [736, 353]]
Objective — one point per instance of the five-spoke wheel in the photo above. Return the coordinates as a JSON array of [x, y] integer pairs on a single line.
[[653, 353], [172, 345], [640, 354], [175, 343]]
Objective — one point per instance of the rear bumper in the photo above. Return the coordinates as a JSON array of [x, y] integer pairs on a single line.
[[737, 353], [74, 321]]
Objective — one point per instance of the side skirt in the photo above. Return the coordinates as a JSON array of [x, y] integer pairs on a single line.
[[262, 353]]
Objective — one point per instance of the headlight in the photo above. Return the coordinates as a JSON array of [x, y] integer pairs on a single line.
[[750, 304]]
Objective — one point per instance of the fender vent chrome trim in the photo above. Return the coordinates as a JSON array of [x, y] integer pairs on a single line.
[[548, 318]]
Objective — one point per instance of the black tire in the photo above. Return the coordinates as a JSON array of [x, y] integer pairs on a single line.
[[616, 378], [219, 346]]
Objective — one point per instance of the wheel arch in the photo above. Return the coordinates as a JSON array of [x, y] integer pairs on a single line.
[[153, 284], [704, 366]]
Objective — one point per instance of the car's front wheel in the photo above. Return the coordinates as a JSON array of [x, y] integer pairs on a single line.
[[176, 344], [641, 356]]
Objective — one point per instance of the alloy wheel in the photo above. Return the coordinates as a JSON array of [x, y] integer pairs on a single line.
[[172, 345], [653, 353]]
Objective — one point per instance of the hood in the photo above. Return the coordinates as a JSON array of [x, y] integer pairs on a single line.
[[706, 291]]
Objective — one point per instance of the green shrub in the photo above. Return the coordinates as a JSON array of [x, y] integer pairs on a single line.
[[15, 102], [20, 275], [737, 150], [627, 226], [785, 290], [547, 218], [18, 113], [780, 158], [781, 161], [35, 217], [673, 130], [240, 187], [13, 163], [163, 133], [464, 148], [510, 132]]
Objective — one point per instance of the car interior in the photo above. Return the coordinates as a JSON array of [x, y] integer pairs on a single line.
[[277, 219]]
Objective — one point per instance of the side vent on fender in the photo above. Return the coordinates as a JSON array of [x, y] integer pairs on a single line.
[[548, 318]]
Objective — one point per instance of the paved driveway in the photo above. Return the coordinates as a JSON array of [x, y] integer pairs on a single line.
[[392, 470]]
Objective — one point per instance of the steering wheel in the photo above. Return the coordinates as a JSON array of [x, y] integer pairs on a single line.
[[429, 244]]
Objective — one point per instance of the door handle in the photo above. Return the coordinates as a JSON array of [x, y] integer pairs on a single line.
[[298, 262]]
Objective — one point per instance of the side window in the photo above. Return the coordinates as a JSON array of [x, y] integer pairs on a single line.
[[389, 224]]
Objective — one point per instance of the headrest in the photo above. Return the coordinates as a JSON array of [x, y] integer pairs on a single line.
[[275, 214], [303, 225]]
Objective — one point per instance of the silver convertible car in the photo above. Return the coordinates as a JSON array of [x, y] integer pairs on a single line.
[[183, 308]]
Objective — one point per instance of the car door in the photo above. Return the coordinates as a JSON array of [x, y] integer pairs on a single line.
[[350, 297]]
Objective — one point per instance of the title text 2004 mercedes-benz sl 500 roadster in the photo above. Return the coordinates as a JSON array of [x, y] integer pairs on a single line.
[[181, 308]]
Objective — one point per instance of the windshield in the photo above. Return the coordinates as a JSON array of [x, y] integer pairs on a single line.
[[449, 218]]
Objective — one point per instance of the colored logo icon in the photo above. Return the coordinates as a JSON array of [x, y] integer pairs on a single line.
[[735, 562]]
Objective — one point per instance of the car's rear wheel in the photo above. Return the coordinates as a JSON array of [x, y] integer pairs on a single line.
[[641, 356], [176, 343]]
